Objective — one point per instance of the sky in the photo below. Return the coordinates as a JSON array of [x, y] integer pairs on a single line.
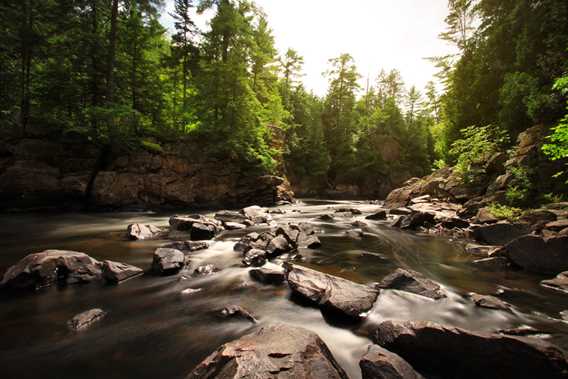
[[379, 34]]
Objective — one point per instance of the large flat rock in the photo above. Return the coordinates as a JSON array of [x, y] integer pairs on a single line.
[[274, 351], [340, 296]]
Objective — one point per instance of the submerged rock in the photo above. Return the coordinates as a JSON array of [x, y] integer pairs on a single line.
[[451, 352], [168, 261], [336, 295], [143, 232], [274, 351], [412, 281], [116, 272], [238, 312], [559, 283], [489, 302], [52, 267], [85, 319], [379, 363], [536, 254]]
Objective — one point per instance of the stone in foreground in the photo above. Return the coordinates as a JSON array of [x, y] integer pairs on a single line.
[[168, 261], [116, 272], [412, 281], [337, 295], [274, 351], [450, 352], [379, 363], [50, 267], [85, 319]]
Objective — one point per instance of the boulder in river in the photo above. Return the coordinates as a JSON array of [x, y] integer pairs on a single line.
[[417, 220], [205, 270], [238, 312], [336, 295], [499, 234], [143, 232], [254, 257], [489, 302], [52, 267], [85, 319], [274, 351], [116, 272], [168, 261], [379, 363], [270, 273], [412, 281], [443, 351], [231, 216], [539, 255], [187, 246], [199, 227], [559, 283], [379, 215]]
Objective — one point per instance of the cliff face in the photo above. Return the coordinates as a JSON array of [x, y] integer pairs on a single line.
[[36, 172]]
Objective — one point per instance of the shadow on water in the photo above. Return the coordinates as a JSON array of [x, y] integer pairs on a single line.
[[155, 329]]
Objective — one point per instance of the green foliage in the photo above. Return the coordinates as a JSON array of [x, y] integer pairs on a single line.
[[152, 146], [519, 191], [505, 212], [475, 148], [557, 147]]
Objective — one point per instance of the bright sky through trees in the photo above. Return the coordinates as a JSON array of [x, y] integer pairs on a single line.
[[377, 33]]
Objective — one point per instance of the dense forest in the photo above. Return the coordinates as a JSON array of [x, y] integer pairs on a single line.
[[108, 71]]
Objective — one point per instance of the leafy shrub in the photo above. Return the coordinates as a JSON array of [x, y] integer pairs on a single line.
[[519, 190], [505, 212], [151, 146], [557, 148]]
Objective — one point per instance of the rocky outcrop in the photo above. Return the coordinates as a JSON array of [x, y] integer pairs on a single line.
[[412, 281], [50, 267], [443, 351], [540, 255], [58, 170], [275, 351], [379, 363], [332, 294], [116, 272], [86, 319]]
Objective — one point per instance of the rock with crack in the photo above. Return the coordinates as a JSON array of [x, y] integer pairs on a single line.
[[449, 352], [116, 272], [489, 302], [237, 312], [86, 319], [332, 294], [539, 255], [270, 273], [379, 363], [187, 246], [167, 261], [144, 232], [50, 267], [412, 281], [274, 351], [560, 283]]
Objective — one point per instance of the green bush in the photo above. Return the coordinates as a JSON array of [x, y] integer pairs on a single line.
[[505, 212], [518, 192]]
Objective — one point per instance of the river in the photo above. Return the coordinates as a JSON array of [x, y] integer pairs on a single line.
[[155, 330]]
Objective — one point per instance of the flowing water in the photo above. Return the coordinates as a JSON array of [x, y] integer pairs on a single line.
[[156, 330]]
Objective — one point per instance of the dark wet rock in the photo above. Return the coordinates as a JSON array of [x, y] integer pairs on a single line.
[[400, 211], [52, 267], [200, 227], [353, 211], [231, 216], [168, 261], [492, 264], [454, 223], [412, 281], [326, 218], [278, 245], [269, 274], [489, 302], [274, 351], [500, 233], [187, 246], [200, 232], [480, 250], [379, 215], [484, 216], [379, 363], [237, 312], [86, 319], [116, 272], [536, 254], [254, 257], [417, 220], [559, 283], [143, 232], [538, 218], [457, 353], [337, 295], [205, 270]]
